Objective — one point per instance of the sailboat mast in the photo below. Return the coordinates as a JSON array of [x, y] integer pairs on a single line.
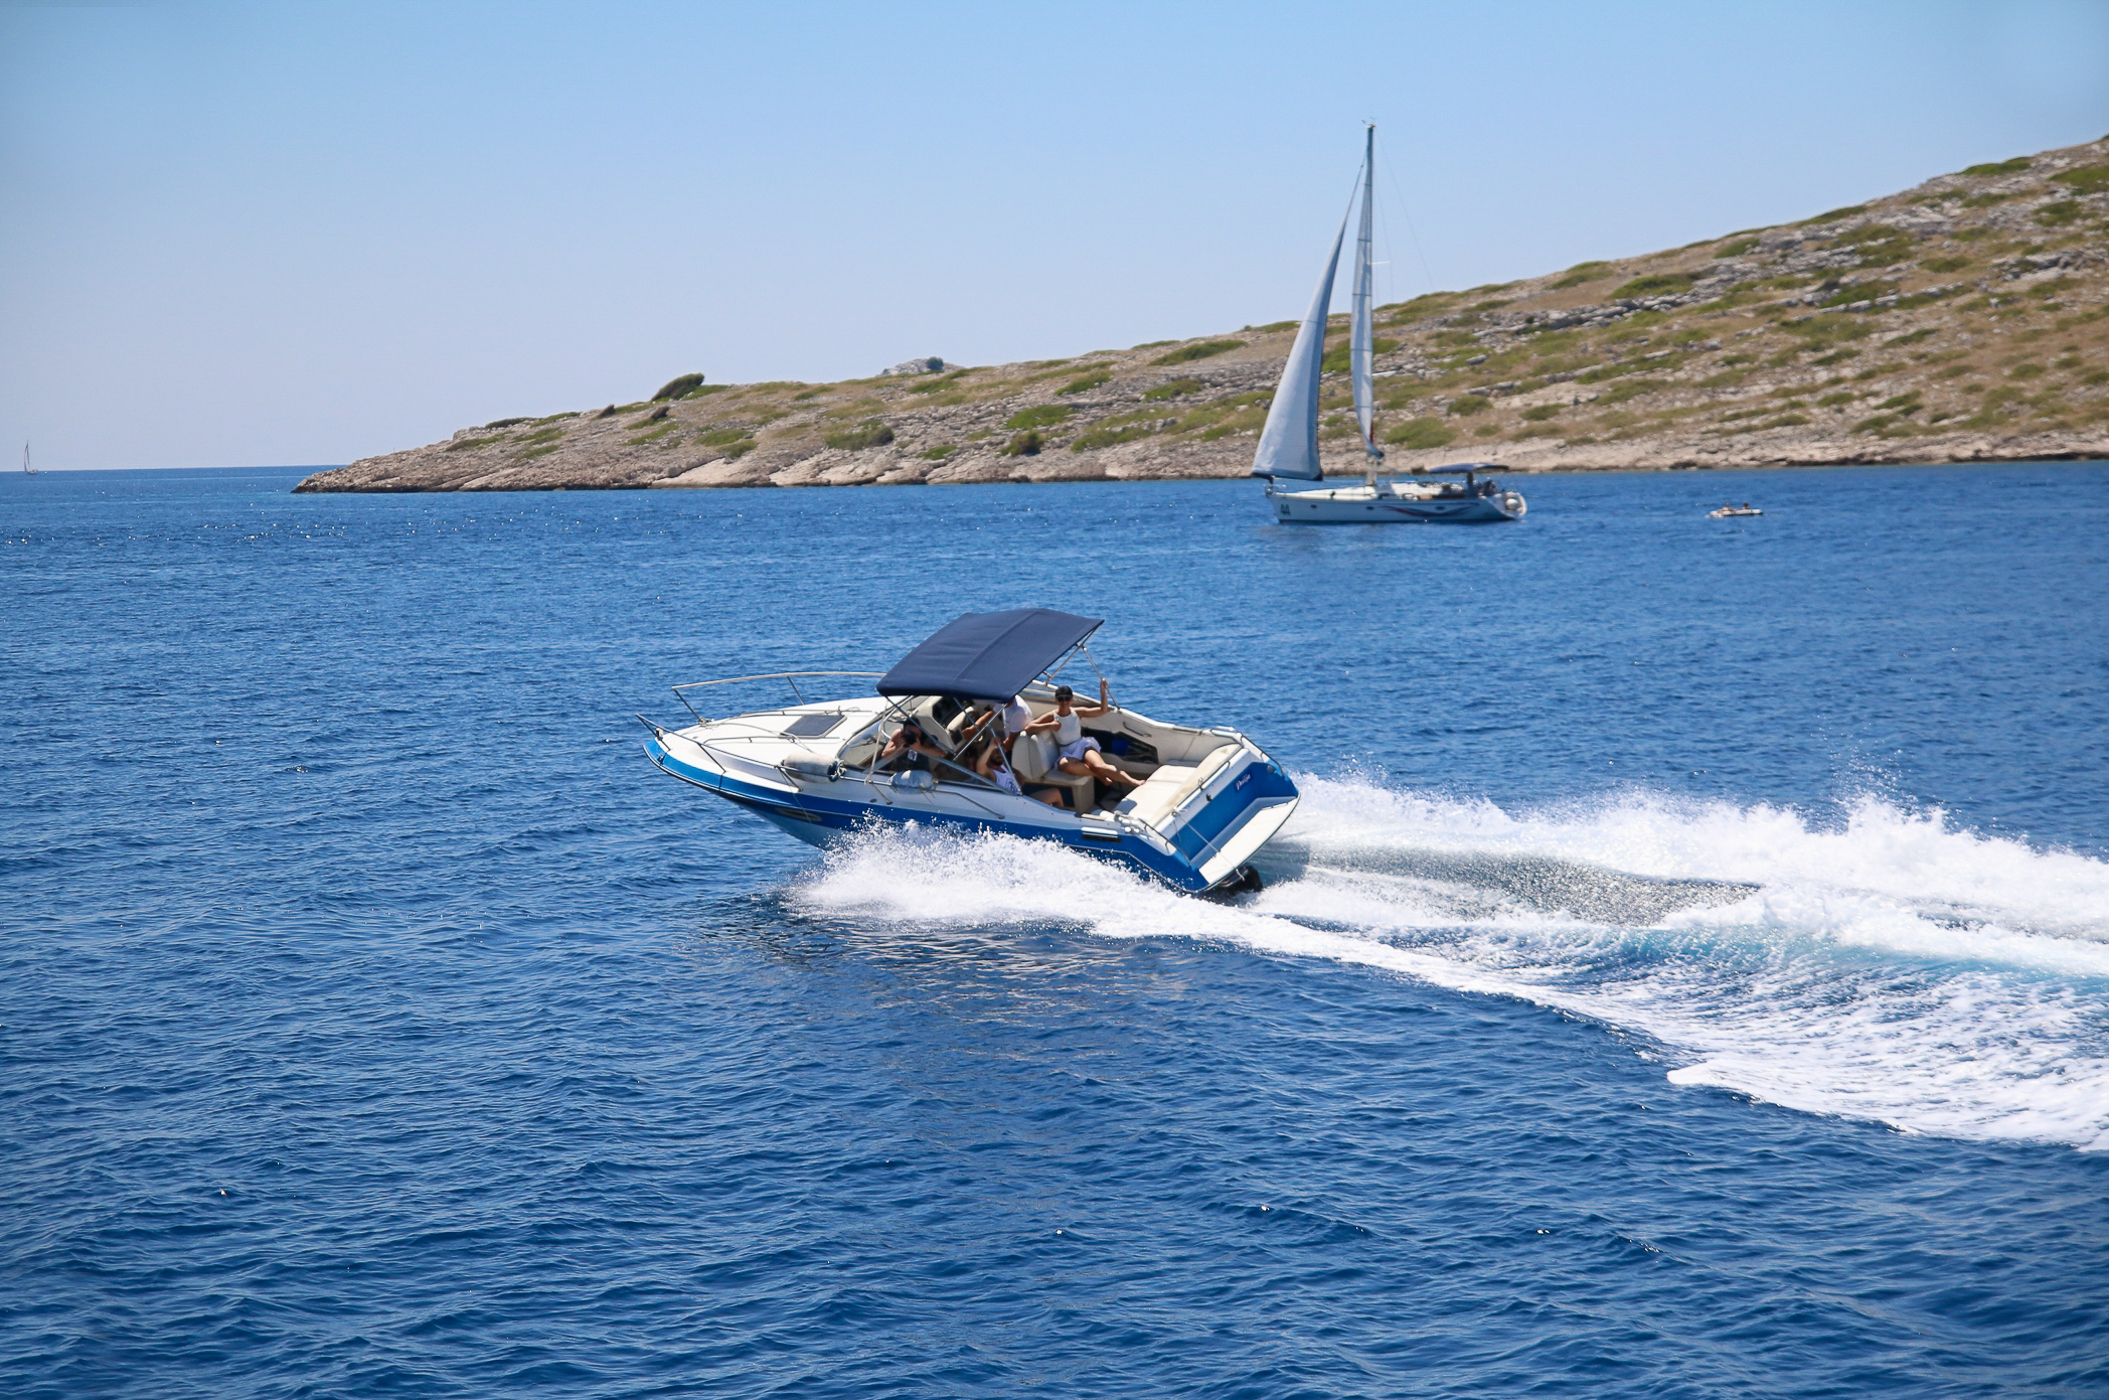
[[1361, 333]]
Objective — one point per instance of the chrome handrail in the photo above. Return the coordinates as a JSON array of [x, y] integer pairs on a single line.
[[774, 676], [787, 677]]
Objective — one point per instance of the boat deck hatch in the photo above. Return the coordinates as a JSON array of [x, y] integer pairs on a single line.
[[812, 726]]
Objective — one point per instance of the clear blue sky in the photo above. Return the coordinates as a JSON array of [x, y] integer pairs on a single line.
[[307, 233]]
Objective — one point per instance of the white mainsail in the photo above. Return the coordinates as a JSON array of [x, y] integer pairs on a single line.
[[1289, 442], [1361, 341]]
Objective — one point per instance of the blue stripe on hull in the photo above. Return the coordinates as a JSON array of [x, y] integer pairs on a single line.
[[1258, 782]]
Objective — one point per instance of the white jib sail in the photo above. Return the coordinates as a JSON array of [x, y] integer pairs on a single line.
[[1361, 340], [1289, 442]]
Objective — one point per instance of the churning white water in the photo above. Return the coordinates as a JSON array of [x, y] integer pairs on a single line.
[[1888, 966]]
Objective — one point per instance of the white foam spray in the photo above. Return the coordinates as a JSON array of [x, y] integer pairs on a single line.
[[1892, 968]]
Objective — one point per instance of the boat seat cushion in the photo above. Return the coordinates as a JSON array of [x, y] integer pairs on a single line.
[[1153, 801], [1033, 760]]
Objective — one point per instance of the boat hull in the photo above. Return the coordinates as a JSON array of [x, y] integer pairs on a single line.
[[1208, 852], [1362, 505]]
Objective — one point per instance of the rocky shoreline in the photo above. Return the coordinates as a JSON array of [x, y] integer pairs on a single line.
[[1965, 320]]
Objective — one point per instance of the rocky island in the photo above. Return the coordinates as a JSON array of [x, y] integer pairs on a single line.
[[1966, 319]]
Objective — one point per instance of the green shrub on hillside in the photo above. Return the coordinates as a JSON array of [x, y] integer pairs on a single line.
[[1632, 389], [1336, 360], [1111, 436], [505, 423], [2085, 179], [1026, 444], [1465, 405], [1859, 291], [872, 433], [1427, 304], [1735, 248], [2065, 211], [1174, 388], [1836, 214], [1542, 412], [1085, 382], [1201, 351], [2000, 167], [1660, 284], [722, 437], [1582, 272], [938, 454], [468, 444], [1044, 416], [1946, 264], [1878, 245], [1274, 327], [676, 387], [1421, 434]]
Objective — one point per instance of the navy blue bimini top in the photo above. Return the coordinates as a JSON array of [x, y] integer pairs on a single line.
[[988, 656]]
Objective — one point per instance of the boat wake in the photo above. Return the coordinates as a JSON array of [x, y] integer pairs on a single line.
[[1890, 967]]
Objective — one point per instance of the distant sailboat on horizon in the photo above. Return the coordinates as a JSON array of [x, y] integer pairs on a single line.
[[25, 460], [1289, 443]]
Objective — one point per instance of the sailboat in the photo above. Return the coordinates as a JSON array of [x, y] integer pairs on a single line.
[[1289, 443], [25, 460]]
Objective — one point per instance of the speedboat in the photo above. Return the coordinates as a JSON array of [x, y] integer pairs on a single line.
[[1288, 446], [1475, 500], [1208, 799], [1741, 512]]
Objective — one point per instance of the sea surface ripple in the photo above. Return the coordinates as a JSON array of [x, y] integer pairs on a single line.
[[1687, 974]]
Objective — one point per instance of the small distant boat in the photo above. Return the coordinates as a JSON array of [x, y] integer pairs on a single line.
[[1733, 512], [1289, 443], [25, 460]]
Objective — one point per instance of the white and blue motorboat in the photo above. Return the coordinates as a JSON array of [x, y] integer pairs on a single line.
[[1288, 445], [1208, 798]]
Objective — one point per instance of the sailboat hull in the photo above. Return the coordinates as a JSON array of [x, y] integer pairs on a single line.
[[1381, 505]]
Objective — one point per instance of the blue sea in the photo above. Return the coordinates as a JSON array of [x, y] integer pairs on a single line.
[[1687, 974]]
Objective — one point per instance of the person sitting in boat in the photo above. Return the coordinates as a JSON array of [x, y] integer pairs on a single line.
[[1079, 754], [990, 763], [1016, 716], [910, 750]]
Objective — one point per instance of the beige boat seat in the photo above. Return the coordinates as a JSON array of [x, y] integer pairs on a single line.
[[1033, 760]]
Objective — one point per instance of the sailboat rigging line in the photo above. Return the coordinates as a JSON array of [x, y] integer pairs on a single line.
[[1406, 216]]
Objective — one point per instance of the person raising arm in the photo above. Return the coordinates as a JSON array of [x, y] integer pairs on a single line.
[[1080, 754]]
